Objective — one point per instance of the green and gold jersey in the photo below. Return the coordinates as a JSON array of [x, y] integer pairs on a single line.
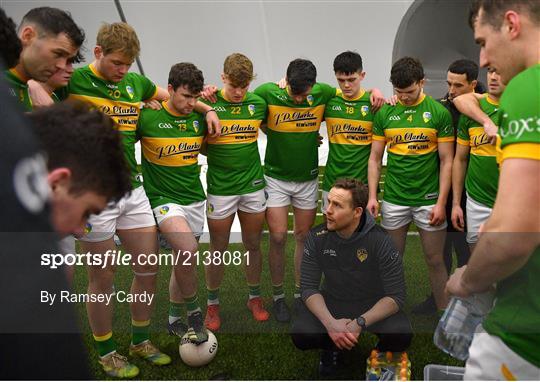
[[234, 164], [349, 124], [482, 173], [293, 130], [18, 88], [120, 100], [171, 144], [411, 134], [515, 316]]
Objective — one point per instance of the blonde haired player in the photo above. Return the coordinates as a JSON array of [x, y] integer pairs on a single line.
[[108, 85], [236, 184]]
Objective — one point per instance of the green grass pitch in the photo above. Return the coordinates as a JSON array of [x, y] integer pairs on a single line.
[[250, 350]]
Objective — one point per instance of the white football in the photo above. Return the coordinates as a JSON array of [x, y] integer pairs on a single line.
[[198, 355]]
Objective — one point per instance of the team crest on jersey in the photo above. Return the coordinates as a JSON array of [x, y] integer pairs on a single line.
[[309, 100], [362, 254], [251, 109], [426, 116], [87, 228], [364, 110], [196, 126], [130, 91], [163, 210]]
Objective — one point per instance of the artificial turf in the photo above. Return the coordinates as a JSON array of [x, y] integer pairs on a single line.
[[250, 350]]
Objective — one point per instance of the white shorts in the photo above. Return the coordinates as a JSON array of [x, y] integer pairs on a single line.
[[132, 211], [192, 213], [476, 215], [301, 195], [221, 207], [66, 245], [324, 204], [395, 216], [490, 359]]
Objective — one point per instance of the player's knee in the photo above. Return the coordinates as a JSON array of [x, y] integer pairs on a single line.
[[300, 235], [101, 279], [434, 260], [145, 270], [278, 239], [187, 251]]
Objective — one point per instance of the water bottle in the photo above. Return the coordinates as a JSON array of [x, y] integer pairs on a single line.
[[458, 324]]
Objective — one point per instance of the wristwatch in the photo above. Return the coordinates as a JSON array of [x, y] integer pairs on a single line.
[[361, 321]]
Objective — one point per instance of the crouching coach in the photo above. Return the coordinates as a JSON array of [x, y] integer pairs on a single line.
[[363, 287]]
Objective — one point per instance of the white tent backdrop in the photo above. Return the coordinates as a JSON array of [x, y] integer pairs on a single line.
[[273, 32]]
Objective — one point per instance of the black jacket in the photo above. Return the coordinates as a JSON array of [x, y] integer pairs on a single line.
[[365, 267]]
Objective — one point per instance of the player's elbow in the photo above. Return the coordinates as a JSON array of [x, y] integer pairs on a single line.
[[515, 245], [461, 101], [397, 302]]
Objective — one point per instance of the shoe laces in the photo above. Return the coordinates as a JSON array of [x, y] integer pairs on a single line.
[[118, 360], [148, 347]]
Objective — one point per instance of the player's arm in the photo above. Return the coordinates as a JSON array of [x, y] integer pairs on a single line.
[[508, 238], [210, 115], [377, 99], [209, 93], [374, 173], [153, 94], [262, 92], [468, 105], [38, 95], [446, 156], [161, 94], [459, 169]]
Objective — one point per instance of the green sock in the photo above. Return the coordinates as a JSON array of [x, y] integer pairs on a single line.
[[192, 304], [140, 331], [175, 310], [213, 296], [105, 344], [278, 291], [254, 291]]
